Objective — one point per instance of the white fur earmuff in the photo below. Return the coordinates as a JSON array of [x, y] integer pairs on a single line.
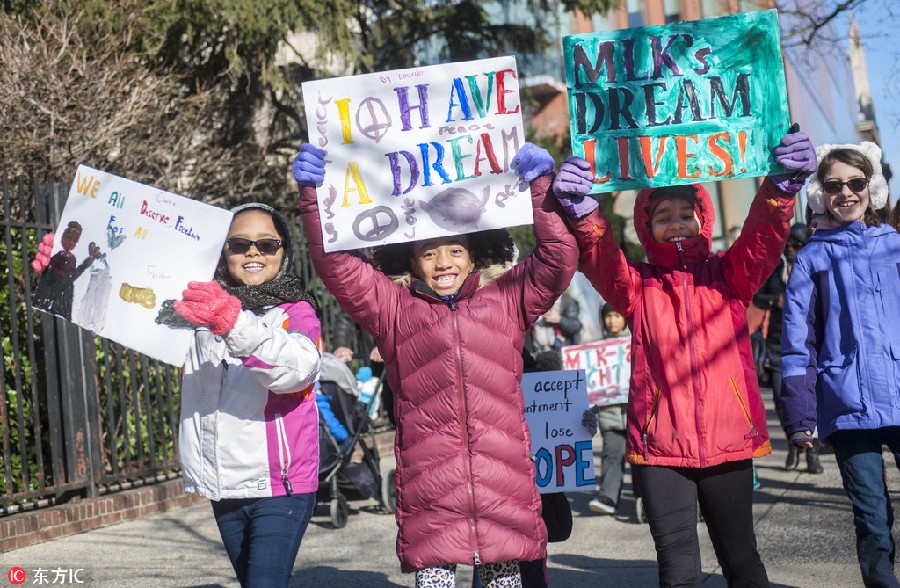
[[878, 187]]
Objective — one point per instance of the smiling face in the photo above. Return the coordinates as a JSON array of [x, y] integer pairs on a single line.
[[443, 263], [845, 206], [673, 220], [252, 268]]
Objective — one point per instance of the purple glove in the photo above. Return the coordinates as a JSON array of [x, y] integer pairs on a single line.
[[795, 152], [532, 162], [571, 186], [309, 166], [42, 259], [206, 304]]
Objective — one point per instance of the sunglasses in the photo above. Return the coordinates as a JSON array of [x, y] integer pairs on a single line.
[[855, 185], [238, 245]]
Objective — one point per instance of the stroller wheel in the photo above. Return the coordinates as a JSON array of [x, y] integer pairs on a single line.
[[389, 492], [639, 511], [339, 511]]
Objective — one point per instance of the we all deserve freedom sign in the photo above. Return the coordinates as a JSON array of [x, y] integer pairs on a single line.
[[418, 153], [681, 103]]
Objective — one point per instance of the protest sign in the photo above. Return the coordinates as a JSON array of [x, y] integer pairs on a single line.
[[418, 153], [554, 407], [680, 103], [607, 369], [121, 248]]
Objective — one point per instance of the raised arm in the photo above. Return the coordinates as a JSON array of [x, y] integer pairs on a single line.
[[601, 260], [546, 273], [364, 293], [753, 256]]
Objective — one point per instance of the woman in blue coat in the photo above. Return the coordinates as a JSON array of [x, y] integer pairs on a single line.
[[840, 351]]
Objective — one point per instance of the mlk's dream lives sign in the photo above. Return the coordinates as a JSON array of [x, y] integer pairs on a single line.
[[680, 103]]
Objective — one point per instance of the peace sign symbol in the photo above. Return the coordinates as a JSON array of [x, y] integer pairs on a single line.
[[383, 224], [373, 128]]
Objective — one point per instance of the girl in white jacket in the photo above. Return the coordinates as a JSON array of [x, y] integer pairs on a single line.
[[249, 428]]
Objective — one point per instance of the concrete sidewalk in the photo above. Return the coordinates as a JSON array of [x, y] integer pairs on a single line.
[[803, 523]]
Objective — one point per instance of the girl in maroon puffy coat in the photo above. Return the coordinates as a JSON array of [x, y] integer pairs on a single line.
[[451, 335]]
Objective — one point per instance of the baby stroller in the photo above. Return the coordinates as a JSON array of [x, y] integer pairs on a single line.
[[339, 476]]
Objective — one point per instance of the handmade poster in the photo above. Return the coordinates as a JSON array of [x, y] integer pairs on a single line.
[[554, 407], [686, 102], [121, 249], [607, 369], [418, 153]]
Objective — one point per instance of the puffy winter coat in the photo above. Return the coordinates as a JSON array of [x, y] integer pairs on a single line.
[[249, 426], [465, 476], [693, 400], [841, 333]]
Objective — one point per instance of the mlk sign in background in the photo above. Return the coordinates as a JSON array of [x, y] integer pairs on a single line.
[[680, 103], [418, 153]]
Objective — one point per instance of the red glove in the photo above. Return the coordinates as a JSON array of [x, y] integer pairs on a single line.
[[206, 304], [42, 259]]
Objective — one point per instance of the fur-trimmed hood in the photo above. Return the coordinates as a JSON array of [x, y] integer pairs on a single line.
[[666, 254]]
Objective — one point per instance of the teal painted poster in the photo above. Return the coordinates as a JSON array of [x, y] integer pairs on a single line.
[[681, 103]]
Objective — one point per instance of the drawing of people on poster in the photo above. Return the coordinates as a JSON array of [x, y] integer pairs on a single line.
[[57, 286]]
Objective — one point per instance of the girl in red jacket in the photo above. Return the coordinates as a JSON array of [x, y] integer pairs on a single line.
[[695, 417], [451, 337]]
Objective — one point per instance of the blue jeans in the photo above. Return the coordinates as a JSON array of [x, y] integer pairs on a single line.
[[262, 535], [858, 454]]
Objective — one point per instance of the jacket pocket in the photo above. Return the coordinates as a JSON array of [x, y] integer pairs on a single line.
[[838, 384], [645, 431]]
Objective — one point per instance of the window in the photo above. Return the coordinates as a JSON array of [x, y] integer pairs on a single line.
[[635, 13], [672, 11]]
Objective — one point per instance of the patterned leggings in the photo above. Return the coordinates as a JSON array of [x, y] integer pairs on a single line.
[[504, 574]]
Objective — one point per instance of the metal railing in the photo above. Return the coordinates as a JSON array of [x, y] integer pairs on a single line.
[[81, 415]]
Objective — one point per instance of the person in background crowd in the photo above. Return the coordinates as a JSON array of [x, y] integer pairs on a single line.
[[771, 298], [612, 429], [840, 349], [560, 326], [695, 417], [450, 326]]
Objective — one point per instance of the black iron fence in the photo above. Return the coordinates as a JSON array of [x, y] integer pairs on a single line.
[[81, 415]]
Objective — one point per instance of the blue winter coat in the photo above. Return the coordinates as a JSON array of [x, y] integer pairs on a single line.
[[840, 347]]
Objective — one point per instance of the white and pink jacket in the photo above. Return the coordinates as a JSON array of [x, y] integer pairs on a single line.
[[249, 426]]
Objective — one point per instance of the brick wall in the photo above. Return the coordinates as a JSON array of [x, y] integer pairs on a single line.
[[27, 528]]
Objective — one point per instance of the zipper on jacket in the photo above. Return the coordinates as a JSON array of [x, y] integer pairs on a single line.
[[753, 432], [690, 332], [284, 453], [470, 493], [645, 433]]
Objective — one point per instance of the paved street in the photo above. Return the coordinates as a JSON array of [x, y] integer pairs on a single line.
[[803, 525]]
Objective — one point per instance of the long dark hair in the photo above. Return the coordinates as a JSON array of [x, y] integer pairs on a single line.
[[854, 158]]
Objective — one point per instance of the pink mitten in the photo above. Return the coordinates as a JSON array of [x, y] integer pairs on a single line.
[[42, 259], [207, 304]]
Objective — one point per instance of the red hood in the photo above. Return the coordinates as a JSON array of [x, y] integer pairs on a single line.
[[666, 254]]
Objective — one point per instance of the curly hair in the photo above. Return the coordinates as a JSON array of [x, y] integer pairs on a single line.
[[486, 248]]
